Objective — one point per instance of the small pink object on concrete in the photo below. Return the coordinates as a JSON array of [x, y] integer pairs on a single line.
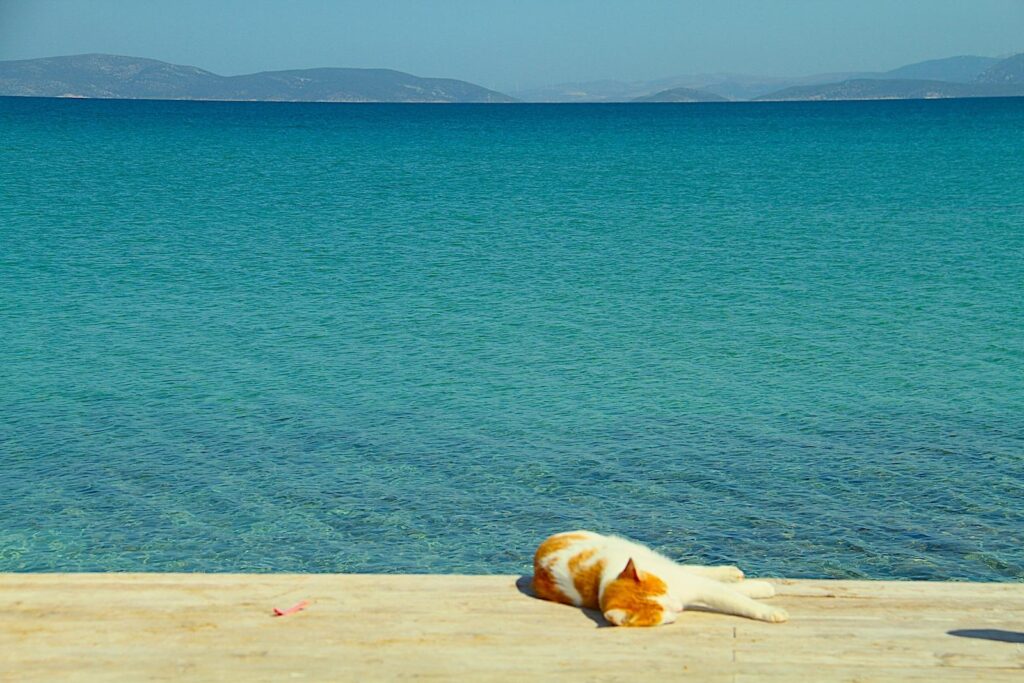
[[297, 607]]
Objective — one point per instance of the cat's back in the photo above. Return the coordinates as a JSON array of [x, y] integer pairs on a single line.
[[568, 568]]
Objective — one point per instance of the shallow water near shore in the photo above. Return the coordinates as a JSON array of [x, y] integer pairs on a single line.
[[393, 338]]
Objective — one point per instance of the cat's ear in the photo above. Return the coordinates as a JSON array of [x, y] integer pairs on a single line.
[[630, 572]]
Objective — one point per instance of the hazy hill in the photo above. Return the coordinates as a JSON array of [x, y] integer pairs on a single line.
[[1003, 78], [588, 91], [879, 89], [740, 87], [963, 69], [682, 95], [960, 69], [729, 86], [892, 89], [1007, 72], [109, 76]]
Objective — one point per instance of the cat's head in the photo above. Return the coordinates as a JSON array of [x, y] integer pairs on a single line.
[[637, 598]]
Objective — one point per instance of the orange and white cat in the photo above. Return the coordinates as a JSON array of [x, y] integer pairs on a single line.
[[634, 586]]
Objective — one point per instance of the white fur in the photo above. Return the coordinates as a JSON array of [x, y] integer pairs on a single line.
[[722, 589]]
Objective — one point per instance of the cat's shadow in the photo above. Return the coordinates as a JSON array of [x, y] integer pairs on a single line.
[[524, 585]]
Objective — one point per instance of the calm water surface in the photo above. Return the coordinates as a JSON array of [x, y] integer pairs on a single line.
[[387, 338]]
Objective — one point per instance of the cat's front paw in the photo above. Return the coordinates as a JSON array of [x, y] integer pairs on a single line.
[[729, 574], [776, 615]]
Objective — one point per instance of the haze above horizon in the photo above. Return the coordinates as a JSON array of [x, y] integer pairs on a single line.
[[511, 45]]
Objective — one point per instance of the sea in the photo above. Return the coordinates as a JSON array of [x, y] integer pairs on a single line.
[[283, 337]]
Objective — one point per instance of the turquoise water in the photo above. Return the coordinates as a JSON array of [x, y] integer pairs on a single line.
[[387, 338]]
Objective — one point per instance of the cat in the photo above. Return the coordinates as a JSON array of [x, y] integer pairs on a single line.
[[634, 586]]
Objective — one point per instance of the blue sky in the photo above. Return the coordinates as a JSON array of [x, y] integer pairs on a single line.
[[519, 43]]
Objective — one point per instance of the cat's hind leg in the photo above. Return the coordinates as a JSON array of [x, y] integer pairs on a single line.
[[725, 598], [754, 589]]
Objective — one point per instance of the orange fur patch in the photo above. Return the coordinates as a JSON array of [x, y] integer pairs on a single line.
[[544, 586], [636, 599], [586, 579], [543, 583], [557, 542]]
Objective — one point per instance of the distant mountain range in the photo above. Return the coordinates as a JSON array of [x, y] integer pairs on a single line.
[[110, 76], [940, 78], [932, 78]]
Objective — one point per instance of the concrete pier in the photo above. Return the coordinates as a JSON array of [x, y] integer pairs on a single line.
[[219, 627]]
